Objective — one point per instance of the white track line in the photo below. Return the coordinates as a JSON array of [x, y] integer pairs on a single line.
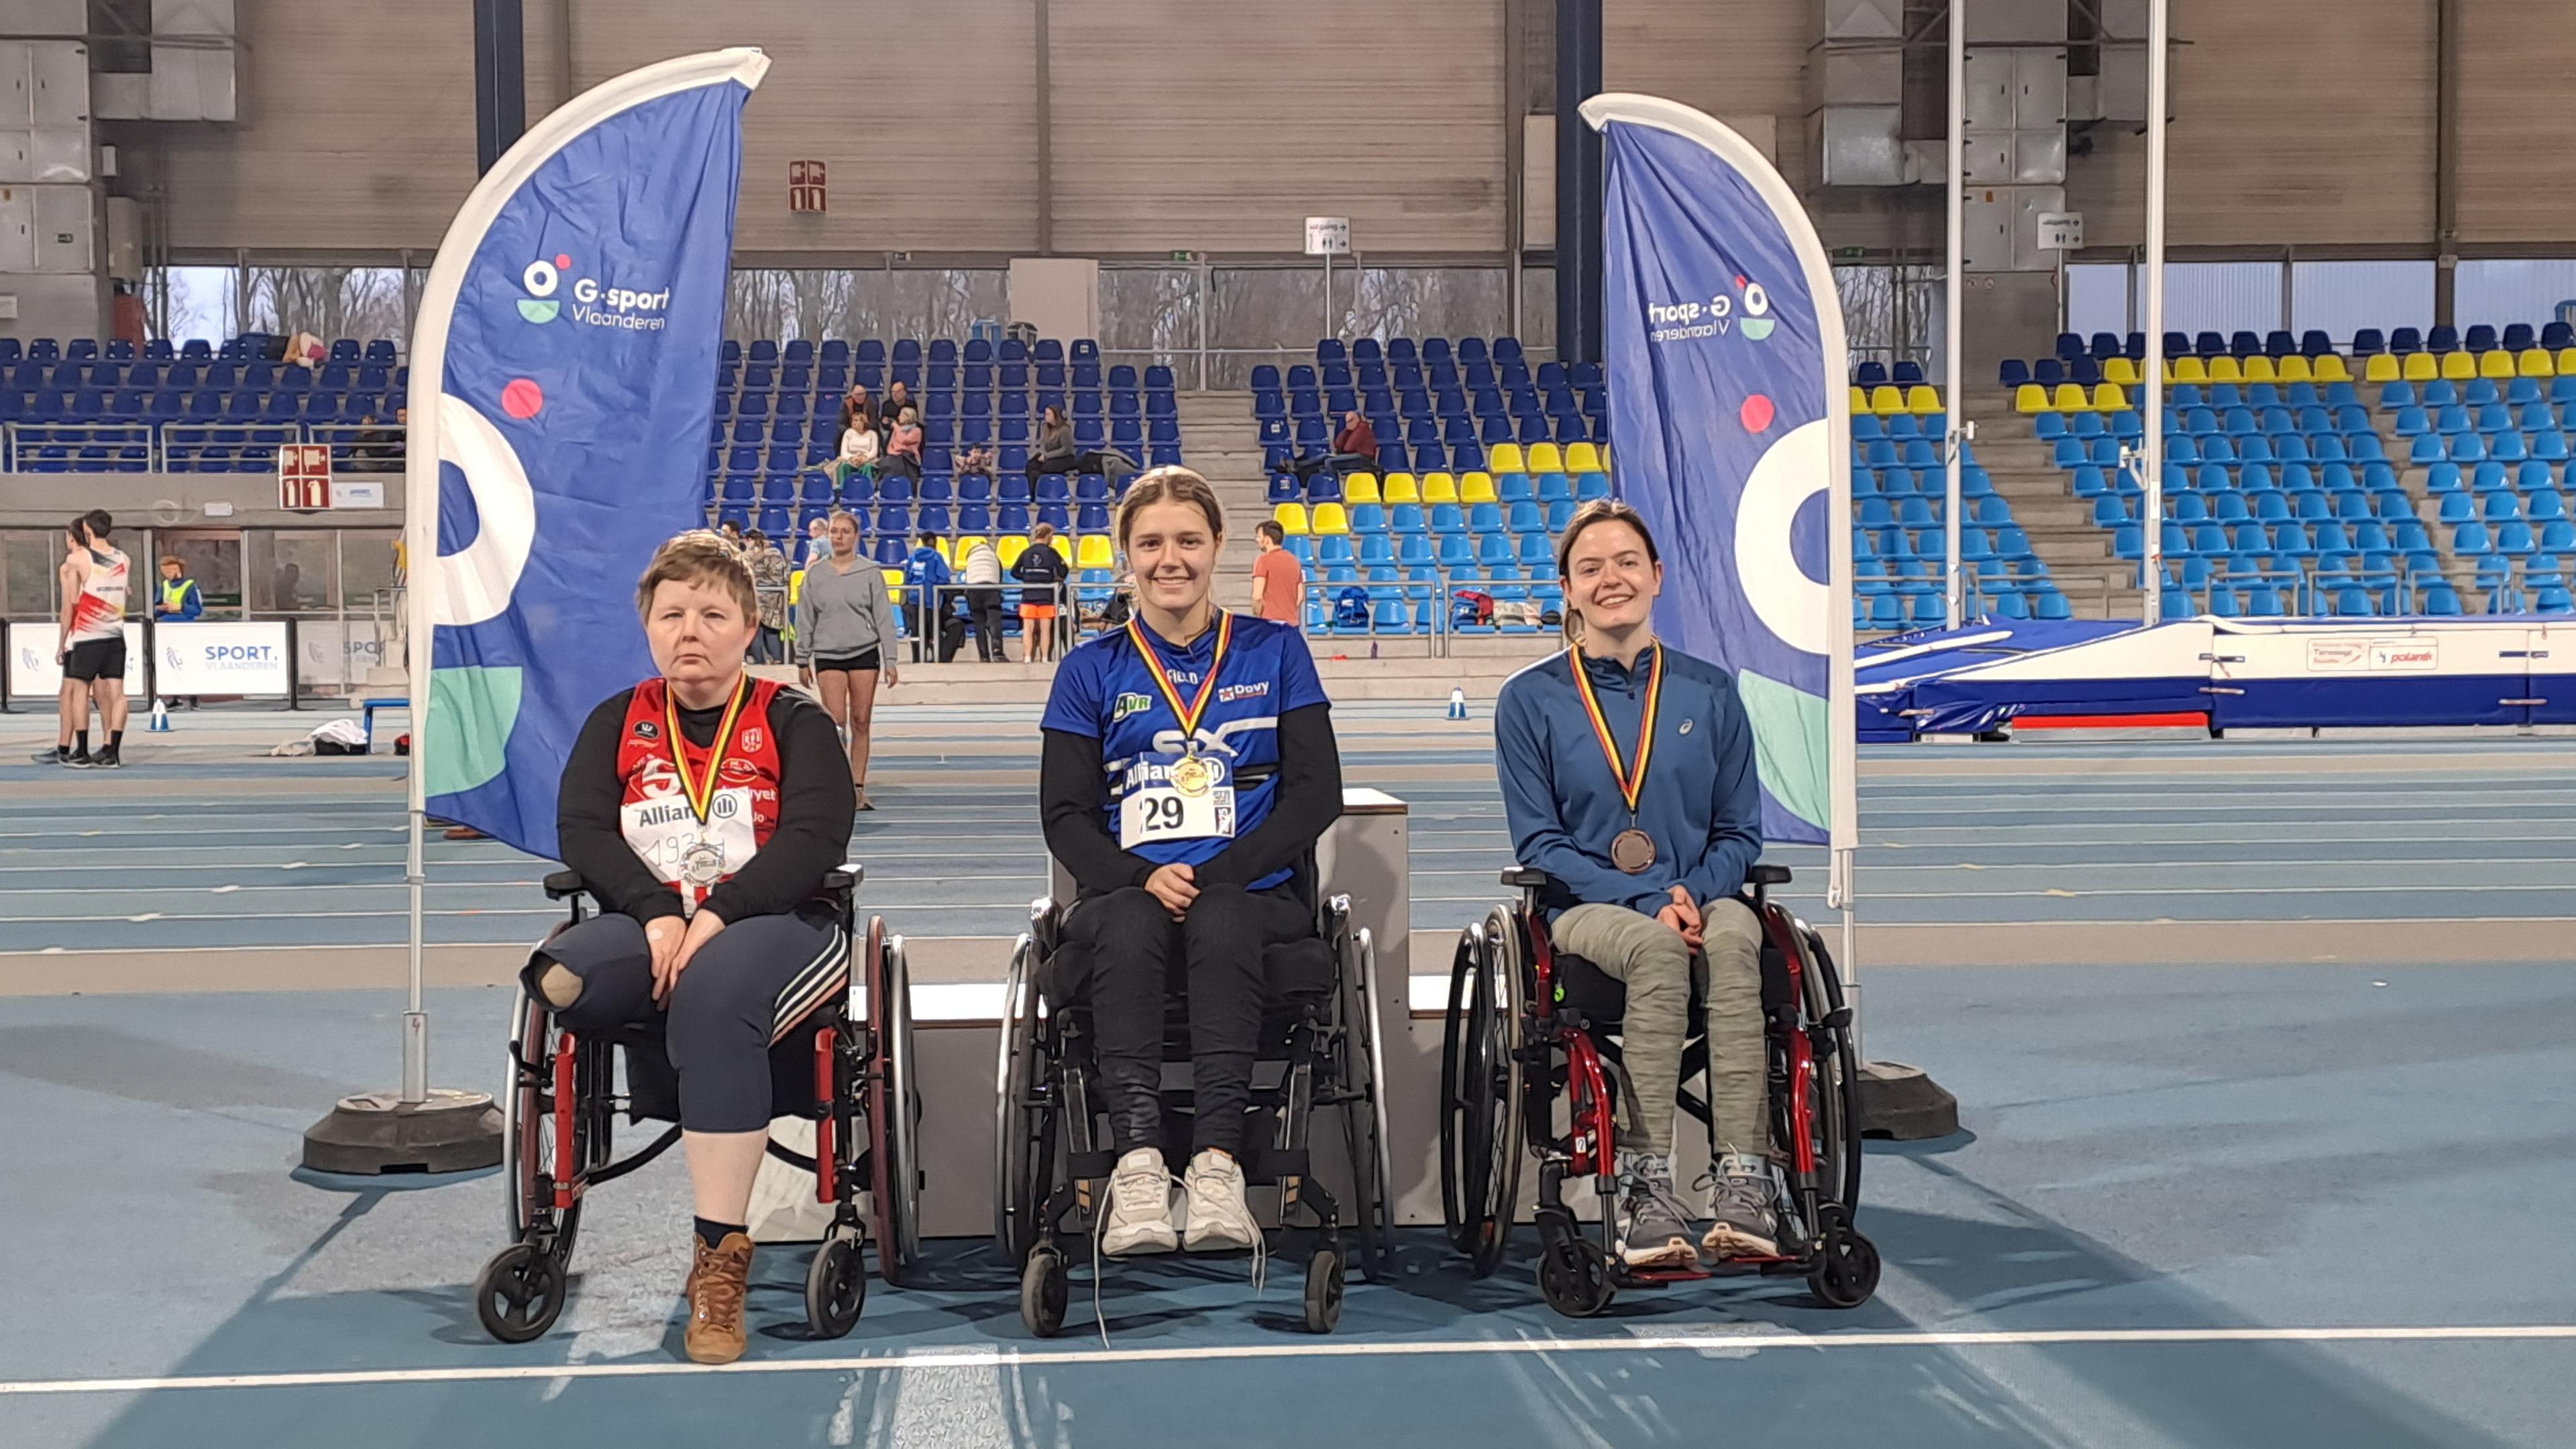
[[1219, 1353]]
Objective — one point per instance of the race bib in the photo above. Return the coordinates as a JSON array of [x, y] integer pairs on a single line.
[[690, 857], [1175, 797]]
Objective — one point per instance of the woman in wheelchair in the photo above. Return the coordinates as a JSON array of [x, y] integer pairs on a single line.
[[1188, 763], [703, 808], [1644, 870]]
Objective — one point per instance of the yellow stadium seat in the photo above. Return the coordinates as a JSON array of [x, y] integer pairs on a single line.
[[2380, 367], [1009, 548], [2070, 398], [2566, 361], [2120, 370], [1921, 400], [2330, 368], [1291, 518], [965, 543], [2292, 369], [2029, 398], [2224, 369], [2535, 362], [947, 550], [1094, 551], [1544, 458], [1505, 458], [1398, 488], [1327, 519], [2496, 364], [1439, 488], [1359, 488], [1476, 488], [2419, 367], [894, 584], [1582, 458], [1886, 400], [2459, 367], [2258, 369], [2109, 398], [2185, 369], [1859, 401]]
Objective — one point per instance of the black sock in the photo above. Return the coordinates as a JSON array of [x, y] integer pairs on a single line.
[[83, 737], [115, 741], [713, 1233]]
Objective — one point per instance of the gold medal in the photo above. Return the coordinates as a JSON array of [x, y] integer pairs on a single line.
[[1193, 776], [1632, 850]]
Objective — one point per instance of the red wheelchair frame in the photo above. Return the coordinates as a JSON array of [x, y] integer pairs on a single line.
[[1509, 1029]]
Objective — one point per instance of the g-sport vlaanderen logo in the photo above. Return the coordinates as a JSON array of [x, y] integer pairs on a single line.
[[592, 304], [1747, 308]]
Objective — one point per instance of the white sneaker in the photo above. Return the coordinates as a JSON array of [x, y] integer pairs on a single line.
[[1218, 1221], [1140, 1206]]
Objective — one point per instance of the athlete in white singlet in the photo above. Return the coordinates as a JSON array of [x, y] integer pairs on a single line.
[[92, 647]]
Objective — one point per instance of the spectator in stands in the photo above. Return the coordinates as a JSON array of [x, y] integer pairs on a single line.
[[925, 583], [125, 315], [729, 531], [1055, 451], [860, 444], [1354, 447], [769, 583], [981, 572], [903, 446], [1278, 580], [379, 449], [970, 461], [1043, 571], [306, 351], [817, 541], [177, 603], [898, 397]]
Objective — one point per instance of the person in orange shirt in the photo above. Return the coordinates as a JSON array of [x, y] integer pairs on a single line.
[[1278, 580]]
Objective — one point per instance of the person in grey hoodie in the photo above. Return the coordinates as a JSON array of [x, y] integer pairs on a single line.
[[845, 638]]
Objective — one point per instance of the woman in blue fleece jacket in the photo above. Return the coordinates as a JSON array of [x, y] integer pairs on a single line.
[[1628, 776]]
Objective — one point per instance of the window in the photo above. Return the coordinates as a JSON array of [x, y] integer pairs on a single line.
[[2339, 298], [2513, 291]]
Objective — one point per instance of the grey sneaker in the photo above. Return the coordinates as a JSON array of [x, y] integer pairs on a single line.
[[1742, 1200], [1654, 1231], [1139, 1219]]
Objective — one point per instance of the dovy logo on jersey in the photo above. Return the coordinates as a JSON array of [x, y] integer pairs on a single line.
[[592, 304], [1747, 309]]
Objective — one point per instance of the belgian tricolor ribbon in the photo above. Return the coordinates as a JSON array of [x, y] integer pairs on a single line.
[[1631, 780], [702, 792], [1189, 717]]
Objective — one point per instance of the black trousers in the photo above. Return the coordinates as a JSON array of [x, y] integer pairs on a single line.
[[1137, 952], [984, 605], [1338, 462], [742, 992]]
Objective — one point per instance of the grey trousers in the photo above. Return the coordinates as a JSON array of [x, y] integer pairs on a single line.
[[1655, 963]]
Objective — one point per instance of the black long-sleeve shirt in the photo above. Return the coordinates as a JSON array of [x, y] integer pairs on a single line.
[[1073, 799], [815, 802]]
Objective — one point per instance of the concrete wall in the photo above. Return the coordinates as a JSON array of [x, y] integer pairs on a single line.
[[178, 500]]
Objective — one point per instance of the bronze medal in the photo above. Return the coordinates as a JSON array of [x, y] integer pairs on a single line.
[[1632, 850]]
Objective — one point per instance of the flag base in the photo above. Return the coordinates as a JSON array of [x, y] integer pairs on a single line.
[[377, 1132], [1899, 1103]]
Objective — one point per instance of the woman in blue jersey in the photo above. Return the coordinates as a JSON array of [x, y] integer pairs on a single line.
[[1189, 763]]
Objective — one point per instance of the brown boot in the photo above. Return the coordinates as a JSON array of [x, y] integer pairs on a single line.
[[718, 1279]]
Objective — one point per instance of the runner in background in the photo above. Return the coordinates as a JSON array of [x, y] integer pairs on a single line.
[[92, 648]]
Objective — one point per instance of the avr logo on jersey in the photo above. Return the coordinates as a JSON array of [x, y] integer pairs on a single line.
[[593, 305]]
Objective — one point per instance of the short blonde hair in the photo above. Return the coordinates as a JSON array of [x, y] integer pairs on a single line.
[[698, 557], [1172, 484]]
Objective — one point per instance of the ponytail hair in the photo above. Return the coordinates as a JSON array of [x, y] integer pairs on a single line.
[[1599, 510]]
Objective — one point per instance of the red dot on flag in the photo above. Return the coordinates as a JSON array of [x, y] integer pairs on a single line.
[[522, 398], [563, 259], [1756, 412]]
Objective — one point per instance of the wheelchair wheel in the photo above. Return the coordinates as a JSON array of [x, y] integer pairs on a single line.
[[520, 1293], [1023, 1135], [528, 1125], [894, 1108], [1480, 1076], [1572, 1275], [1845, 1272], [1043, 1290], [1837, 1076], [1364, 1134], [836, 1285], [1323, 1291]]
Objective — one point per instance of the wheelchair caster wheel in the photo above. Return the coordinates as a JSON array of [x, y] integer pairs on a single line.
[[519, 1294], [1323, 1291], [1845, 1272], [1042, 1293], [836, 1286], [1572, 1277]]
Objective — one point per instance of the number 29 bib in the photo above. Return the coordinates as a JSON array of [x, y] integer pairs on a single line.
[[1175, 797]]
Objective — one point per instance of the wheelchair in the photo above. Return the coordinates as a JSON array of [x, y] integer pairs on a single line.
[[1322, 1048], [1528, 1027], [848, 1068]]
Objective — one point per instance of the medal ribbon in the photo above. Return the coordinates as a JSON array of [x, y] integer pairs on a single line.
[[1630, 784], [702, 792], [1189, 717]]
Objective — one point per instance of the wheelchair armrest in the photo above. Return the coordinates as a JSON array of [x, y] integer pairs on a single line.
[[1767, 875], [562, 883], [846, 880], [1525, 878]]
